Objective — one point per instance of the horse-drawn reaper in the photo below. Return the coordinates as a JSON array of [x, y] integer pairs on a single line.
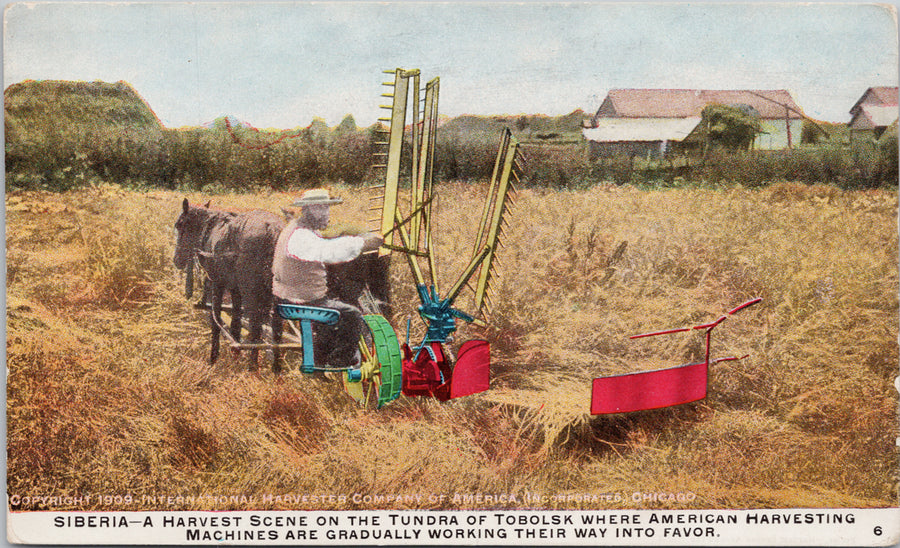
[[386, 368]]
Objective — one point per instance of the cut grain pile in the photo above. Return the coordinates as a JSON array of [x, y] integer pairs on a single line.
[[109, 390]]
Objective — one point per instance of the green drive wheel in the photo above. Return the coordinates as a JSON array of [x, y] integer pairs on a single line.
[[382, 365]]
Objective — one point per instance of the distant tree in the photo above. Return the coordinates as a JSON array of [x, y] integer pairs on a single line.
[[347, 125], [888, 156], [521, 123], [319, 132], [730, 127], [812, 133]]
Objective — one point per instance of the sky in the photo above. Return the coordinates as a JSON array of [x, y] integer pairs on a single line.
[[280, 65]]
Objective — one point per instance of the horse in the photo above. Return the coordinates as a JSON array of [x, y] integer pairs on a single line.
[[236, 252], [348, 282]]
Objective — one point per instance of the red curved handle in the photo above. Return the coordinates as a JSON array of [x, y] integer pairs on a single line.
[[706, 326], [740, 307]]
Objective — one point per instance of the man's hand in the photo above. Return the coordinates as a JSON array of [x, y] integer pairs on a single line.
[[372, 241]]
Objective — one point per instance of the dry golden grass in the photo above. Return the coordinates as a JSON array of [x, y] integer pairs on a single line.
[[109, 391]]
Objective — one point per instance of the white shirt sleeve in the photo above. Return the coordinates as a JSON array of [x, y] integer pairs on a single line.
[[306, 245]]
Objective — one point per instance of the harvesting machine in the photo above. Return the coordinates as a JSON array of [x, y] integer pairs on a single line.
[[426, 367]]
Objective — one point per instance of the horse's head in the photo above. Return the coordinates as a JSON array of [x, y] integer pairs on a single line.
[[189, 231]]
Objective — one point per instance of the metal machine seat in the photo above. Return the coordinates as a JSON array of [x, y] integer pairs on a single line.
[[307, 315], [327, 316]]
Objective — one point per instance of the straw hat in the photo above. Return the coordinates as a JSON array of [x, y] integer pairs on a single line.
[[316, 196]]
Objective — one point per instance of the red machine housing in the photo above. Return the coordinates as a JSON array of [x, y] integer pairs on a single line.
[[436, 377]]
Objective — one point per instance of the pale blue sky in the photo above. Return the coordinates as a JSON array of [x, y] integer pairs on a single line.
[[281, 64]]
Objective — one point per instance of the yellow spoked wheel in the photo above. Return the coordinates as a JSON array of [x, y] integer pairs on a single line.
[[381, 370]]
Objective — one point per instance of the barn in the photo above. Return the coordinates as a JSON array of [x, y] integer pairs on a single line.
[[874, 111], [642, 137], [650, 122]]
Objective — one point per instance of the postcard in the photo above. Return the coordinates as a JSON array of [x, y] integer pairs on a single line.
[[329, 273]]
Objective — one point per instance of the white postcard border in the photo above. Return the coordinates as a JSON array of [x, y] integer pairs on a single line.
[[786, 527]]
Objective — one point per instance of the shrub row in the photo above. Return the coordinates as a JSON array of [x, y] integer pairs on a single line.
[[193, 158], [212, 157]]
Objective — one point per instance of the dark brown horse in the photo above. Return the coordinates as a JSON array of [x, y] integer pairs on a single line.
[[348, 281], [236, 252]]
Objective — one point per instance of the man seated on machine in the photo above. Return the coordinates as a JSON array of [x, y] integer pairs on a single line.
[[299, 276]]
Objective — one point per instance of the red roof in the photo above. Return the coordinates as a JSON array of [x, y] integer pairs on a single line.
[[684, 103], [883, 96]]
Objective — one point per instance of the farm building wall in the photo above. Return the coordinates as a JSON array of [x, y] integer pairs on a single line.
[[606, 110], [776, 136]]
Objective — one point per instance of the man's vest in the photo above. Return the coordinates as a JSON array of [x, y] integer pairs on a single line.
[[298, 267], [295, 280]]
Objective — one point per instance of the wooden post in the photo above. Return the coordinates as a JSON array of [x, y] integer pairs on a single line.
[[787, 122]]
